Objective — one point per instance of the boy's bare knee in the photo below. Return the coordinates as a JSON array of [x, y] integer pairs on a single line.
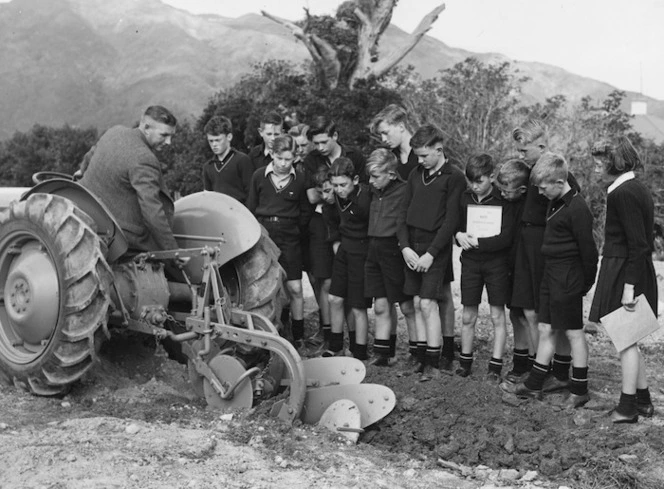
[[544, 329], [381, 306], [427, 306], [407, 308], [336, 301]]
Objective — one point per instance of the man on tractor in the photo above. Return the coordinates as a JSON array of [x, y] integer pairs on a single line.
[[125, 174]]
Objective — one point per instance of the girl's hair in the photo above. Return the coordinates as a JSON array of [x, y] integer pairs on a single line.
[[621, 155], [531, 131], [283, 143], [550, 167], [479, 166], [383, 160], [343, 167], [393, 114], [513, 172]]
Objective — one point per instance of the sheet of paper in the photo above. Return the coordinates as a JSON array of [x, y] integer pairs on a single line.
[[626, 328], [484, 221]]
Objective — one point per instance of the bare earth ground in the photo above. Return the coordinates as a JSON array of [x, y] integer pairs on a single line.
[[135, 422]]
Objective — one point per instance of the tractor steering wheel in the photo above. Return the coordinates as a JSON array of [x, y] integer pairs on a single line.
[[42, 176]]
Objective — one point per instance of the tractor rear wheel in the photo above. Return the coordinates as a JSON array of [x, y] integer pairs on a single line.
[[54, 293], [255, 279]]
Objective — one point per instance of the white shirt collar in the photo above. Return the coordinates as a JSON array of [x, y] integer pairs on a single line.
[[269, 168], [620, 180]]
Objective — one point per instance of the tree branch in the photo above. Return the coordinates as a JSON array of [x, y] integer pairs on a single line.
[[384, 65], [323, 53]]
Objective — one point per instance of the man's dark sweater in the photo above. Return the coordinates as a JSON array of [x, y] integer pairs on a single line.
[[404, 169], [352, 219], [231, 176], [569, 234], [289, 202], [384, 209], [431, 204], [258, 157]]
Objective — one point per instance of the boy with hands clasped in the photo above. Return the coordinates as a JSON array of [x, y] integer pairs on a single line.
[[428, 220], [570, 264]]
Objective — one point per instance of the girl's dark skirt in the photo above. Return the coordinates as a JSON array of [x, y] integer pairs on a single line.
[[609, 288]]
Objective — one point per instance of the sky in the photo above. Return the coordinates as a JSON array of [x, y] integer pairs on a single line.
[[616, 41]]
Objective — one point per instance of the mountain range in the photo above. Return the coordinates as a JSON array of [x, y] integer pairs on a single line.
[[100, 63]]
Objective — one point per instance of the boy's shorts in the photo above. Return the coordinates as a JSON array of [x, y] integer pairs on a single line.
[[286, 235], [476, 273], [528, 268], [348, 273], [561, 294], [321, 254], [384, 270], [429, 285]]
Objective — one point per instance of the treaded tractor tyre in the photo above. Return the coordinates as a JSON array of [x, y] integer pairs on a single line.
[[261, 279], [54, 288]]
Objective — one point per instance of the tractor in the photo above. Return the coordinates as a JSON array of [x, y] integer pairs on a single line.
[[67, 279]]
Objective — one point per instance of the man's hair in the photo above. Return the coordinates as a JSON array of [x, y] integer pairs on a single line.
[[343, 167], [383, 160], [321, 125], [550, 167], [283, 143], [393, 114], [271, 118], [513, 172], [621, 154], [218, 125], [479, 166], [320, 177], [160, 114], [530, 131], [426, 137], [299, 130]]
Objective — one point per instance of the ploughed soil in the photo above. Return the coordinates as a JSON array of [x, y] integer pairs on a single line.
[[134, 421]]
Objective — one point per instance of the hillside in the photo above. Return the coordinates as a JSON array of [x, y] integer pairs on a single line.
[[93, 62]]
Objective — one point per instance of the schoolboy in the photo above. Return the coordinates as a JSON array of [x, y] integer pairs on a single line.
[[352, 201], [512, 181], [321, 254], [393, 127], [324, 136], [484, 262], [427, 223], [270, 126], [229, 171], [532, 140], [277, 198], [570, 264], [384, 268]]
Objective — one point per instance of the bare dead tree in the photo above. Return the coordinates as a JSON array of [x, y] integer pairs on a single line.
[[373, 18]]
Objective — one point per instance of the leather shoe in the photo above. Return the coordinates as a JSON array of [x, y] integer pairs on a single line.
[[618, 418], [493, 377], [575, 401], [521, 391], [463, 371], [430, 373], [646, 410], [552, 384], [445, 364], [516, 377], [378, 361]]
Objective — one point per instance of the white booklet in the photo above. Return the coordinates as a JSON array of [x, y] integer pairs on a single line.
[[484, 221], [626, 328]]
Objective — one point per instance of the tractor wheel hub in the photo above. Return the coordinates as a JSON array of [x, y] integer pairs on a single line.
[[32, 295]]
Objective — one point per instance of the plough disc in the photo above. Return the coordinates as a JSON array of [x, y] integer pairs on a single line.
[[343, 418], [228, 370], [321, 372]]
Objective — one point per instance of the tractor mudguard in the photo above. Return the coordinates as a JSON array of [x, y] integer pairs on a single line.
[[107, 227], [213, 219]]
